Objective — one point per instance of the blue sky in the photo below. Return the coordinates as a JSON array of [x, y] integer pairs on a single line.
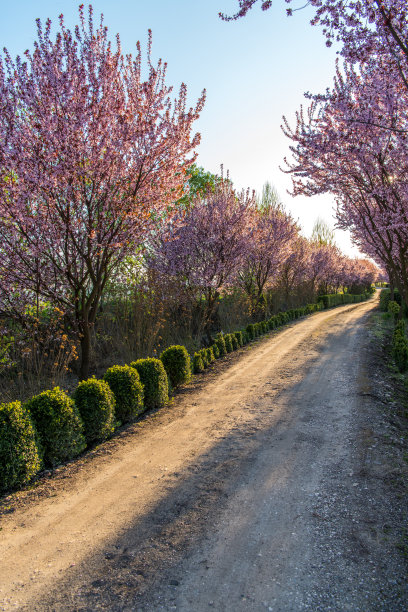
[[255, 70]]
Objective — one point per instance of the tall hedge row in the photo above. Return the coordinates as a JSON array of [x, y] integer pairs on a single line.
[[337, 299], [52, 427]]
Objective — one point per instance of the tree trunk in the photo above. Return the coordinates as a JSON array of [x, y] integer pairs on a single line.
[[85, 352]]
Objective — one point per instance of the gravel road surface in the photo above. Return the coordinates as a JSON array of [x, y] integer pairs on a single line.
[[261, 487]]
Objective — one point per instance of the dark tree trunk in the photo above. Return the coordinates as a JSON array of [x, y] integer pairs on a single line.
[[85, 353]]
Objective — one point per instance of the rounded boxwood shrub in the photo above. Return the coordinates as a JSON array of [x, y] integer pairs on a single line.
[[58, 424], [96, 404], [216, 351], [125, 383], [234, 341], [176, 361], [238, 336], [210, 354], [198, 365], [394, 309], [228, 343], [220, 342], [154, 380], [250, 330], [204, 357], [19, 455]]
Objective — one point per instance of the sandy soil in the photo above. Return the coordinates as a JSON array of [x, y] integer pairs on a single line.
[[251, 491]]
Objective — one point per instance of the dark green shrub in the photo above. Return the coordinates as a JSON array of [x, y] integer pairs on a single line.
[[400, 346], [228, 343], [220, 342], [210, 354], [96, 404], [154, 380], [257, 330], [324, 299], [264, 327], [125, 383], [58, 424], [216, 350], [385, 297], [234, 340], [394, 309], [204, 357], [19, 455], [198, 365], [250, 330], [238, 336], [176, 361]]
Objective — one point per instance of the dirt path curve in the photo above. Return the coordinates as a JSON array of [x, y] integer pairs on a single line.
[[220, 501]]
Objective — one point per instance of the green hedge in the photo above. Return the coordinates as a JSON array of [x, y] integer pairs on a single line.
[[210, 355], [216, 351], [250, 330], [337, 299], [239, 337], [204, 357], [176, 361], [127, 388], [400, 346], [19, 455], [58, 424], [220, 342], [154, 380], [198, 365], [228, 343], [96, 404]]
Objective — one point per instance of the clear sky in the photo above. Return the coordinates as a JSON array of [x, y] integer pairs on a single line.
[[255, 70]]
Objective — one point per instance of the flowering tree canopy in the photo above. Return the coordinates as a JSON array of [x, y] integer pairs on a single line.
[[352, 142], [202, 248], [271, 235], [92, 156]]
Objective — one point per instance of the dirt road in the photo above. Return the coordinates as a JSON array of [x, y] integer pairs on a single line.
[[252, 491]]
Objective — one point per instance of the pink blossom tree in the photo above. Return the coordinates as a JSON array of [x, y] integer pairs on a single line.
[[272, 233], [202, 249], [92, 157], [294, 270]]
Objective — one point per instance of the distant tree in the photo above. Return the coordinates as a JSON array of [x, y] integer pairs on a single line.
[[322, 233], [198, 182], [201, 250], [269, 198], [271, 235]]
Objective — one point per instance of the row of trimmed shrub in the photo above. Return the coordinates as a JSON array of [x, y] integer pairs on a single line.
[[53, 427], [337, 299], [226, 343]]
